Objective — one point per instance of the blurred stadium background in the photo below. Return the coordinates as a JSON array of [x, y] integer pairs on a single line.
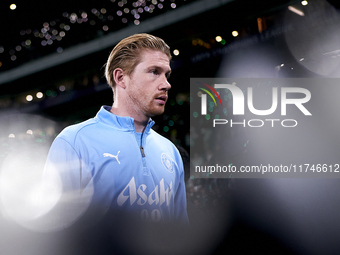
[[51, 75]]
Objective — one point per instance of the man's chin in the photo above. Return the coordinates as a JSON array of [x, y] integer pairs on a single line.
[[156, 112]]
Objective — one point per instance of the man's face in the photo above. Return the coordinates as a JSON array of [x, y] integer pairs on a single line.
[[147, 86]]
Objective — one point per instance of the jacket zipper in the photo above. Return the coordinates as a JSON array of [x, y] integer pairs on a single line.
[[142, 151]]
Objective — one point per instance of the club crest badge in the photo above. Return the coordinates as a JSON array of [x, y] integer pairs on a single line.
[[168, 162]]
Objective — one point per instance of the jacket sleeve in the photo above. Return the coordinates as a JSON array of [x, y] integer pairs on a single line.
[[63, 172], [63, 162], [180, 198]]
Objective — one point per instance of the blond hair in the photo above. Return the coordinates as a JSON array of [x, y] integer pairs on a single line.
[[126, 54]]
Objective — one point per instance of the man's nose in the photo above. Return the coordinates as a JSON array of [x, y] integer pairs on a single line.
[[165, 85]]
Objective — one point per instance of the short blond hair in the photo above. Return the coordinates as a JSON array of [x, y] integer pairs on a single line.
[[126, 54]]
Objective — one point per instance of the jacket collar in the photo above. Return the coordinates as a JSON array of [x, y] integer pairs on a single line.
[[123, 123]]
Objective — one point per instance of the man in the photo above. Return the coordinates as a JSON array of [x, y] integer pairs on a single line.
[[115, 162]]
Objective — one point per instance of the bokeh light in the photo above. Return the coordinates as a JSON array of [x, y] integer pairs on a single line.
[[29, 98], [39, 95], [218, 38], [29, 196]]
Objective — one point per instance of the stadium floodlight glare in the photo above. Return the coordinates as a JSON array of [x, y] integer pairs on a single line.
[[296, 11]]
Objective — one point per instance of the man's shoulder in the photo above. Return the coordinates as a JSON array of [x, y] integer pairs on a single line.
[[71, 132], [160, 137], [163, 141]]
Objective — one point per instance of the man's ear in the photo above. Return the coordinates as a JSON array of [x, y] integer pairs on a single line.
[[118, 76]]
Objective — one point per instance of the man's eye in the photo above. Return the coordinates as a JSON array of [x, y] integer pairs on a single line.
[[154, 72]]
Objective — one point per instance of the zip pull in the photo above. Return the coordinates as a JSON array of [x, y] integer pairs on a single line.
[[142, 150]]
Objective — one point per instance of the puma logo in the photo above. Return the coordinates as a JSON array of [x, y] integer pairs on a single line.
[[112, 156]]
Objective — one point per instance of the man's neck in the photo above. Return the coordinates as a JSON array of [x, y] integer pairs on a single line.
[[140, 122]]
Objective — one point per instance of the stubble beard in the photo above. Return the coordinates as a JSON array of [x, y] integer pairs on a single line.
[[154, 110], [150, 110]]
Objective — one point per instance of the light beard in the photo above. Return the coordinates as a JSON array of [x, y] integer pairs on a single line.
[[149, 110], [156, 112]]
